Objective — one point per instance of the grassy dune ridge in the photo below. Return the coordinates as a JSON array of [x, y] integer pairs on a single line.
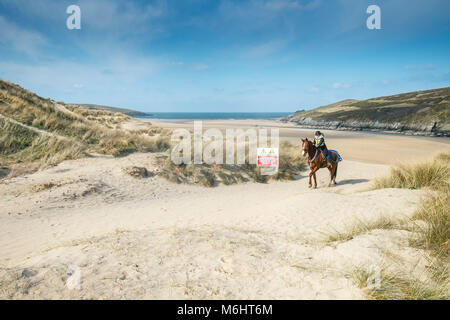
[[430, 231], [434, 175], [125, 111], [434, 210], [38, 129], [18, 143], [291, 164]]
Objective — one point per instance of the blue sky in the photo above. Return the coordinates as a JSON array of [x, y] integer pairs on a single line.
[[224, 55]]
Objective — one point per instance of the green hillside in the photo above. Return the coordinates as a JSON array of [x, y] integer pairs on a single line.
[[36, 132], [413, 110], [129, 112]]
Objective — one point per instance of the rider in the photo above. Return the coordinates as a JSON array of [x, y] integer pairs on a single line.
[[319, 142]]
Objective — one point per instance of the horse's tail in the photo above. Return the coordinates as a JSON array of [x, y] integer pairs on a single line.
[[335, 171]]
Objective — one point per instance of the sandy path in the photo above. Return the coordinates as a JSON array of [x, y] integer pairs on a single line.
[[292, 203], [161, 240]]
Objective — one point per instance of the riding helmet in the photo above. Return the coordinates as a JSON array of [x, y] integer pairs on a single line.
[[318, 133]]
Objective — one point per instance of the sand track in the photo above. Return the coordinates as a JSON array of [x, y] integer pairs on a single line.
[[148, 238]]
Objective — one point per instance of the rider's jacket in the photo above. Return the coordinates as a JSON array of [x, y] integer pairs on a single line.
[[319, 142]]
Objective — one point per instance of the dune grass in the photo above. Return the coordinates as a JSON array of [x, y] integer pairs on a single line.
[[432, 235], [434, 175], [434, 210], [290, 165], [384, 284], [109, 119], [20, 144], [362, 227], [36, 131], [203, 174], [435, 234], [32, 110]]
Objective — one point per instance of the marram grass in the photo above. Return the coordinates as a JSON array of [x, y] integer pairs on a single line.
[[434, 175]]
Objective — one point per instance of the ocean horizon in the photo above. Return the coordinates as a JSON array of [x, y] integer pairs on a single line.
[[213, 115]]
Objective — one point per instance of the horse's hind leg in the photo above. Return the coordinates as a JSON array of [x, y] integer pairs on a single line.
[[335, 174], [331, 175]]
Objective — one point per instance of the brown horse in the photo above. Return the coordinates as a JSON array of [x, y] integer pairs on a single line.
[[316, 161]]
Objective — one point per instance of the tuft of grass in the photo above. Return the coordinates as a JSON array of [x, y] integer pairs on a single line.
[[108, 118], [435, 235], [19, 144], [362, 227], [228, 178], [443, 157], [204, 174], [432, 235], [434, 210], [13, 283], [291, 164], [434, 175], [383, 284]]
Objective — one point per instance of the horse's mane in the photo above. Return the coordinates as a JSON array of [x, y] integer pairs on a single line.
[[310, 143]]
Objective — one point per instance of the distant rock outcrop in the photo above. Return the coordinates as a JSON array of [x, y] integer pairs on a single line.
[[129, 112], [417, 113]]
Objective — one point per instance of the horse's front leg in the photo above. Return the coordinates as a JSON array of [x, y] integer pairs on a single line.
[[313, 174], [315, 179], [310, 175]]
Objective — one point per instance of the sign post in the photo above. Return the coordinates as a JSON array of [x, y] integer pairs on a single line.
[[267, 160]]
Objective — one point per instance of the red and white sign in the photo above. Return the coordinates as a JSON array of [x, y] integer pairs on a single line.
[[267, 157]]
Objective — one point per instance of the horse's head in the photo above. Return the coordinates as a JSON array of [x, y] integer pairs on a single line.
[[305, 146]]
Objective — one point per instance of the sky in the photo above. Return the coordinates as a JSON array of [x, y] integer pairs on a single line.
[[224, 55]]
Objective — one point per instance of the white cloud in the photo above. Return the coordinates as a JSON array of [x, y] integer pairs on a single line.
[[290, 5], [98, 14], [200, 66], [22, 40], [264, 49], [66, 75], [176, 63], [261, 14], [121, 15], [420, 67], [339, 85]]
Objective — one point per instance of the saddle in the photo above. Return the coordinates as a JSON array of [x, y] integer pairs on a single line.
[[334, 156]]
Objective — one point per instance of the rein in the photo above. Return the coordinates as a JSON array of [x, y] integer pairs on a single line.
[[315, 155]]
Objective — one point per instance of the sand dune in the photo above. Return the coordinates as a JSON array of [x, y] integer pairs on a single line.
[[151, 239]]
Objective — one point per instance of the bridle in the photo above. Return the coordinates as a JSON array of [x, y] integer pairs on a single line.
[[305, 151]]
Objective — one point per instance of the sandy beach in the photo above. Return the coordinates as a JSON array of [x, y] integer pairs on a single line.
[[369, 147], [152, 239]]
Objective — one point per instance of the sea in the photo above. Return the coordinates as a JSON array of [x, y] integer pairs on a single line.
[[215, 115]]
